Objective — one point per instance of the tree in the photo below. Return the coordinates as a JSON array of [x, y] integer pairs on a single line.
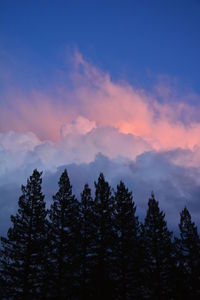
[[188, 257], [22, 259], [87, 220], [126, 244], [104, 240], [65, 241], [157, 244]]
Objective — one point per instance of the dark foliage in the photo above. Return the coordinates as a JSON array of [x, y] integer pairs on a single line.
[[187, 258], [103, 283], [22, 260], [88, 243], [64, 229], [96, 248], [157, 251], [126, 247]]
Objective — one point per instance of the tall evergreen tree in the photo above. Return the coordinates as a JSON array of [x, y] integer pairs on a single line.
[[188, 258], [126, 245], [65, 242], [157, 267], [22, 259], [87, 219], [104, 211]]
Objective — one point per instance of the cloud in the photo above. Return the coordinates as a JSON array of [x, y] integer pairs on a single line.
[[79, 126], [13, 150], [81, 141], [174, 186], [91, 124], [91, 94]]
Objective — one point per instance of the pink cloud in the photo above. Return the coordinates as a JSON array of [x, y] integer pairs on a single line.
[[99, 100]]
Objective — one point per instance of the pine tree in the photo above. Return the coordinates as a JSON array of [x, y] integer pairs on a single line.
[[22, 259], [65, 242], [126, 245], [103, 264], [188, 257], [157, 267], [87, 219]]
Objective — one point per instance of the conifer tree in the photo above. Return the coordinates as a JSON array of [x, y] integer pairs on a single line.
[[87, 242], [126, 245], [157, 244], [188, 257], [104, 210], [65, 241], [22, 259]]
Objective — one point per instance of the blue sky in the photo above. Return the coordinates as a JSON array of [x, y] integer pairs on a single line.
[[134, 40]]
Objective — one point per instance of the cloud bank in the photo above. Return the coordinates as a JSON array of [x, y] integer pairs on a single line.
[[92, 95], [151, 144]]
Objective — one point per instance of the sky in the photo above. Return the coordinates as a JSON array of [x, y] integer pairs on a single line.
[[95, 86]]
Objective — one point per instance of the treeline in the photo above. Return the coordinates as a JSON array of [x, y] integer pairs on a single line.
[[96, 248]]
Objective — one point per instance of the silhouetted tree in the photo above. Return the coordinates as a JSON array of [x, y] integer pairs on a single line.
[[88, 230], [126, 245], [22, 259], [188, 258], [65, 242], [157, 267], [104, 209], [96, 249]]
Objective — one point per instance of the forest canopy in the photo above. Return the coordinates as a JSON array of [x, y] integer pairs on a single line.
[[95, 247]]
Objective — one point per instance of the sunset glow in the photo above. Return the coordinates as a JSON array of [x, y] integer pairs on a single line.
[[99, 101]]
